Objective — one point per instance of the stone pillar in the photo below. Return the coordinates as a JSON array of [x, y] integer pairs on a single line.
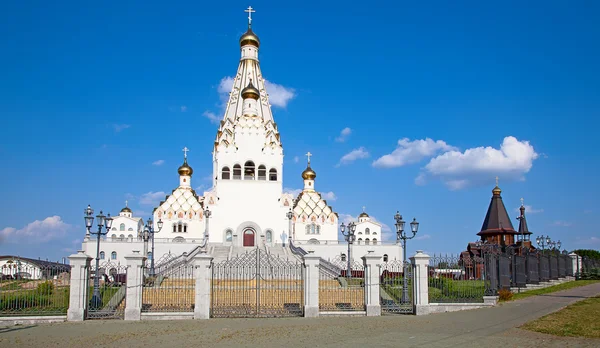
[[372, 304], [135, 283], [78, 294], [575, 259], [203, 275], [311, 285], [420, 263]]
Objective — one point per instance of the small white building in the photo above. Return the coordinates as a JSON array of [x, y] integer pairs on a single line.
[[17, 267]]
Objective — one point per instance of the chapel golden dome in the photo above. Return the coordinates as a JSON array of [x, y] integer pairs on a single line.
[[185, 169], [250, 92], [496, 190], [309, 174], [363, 214], [249, 38], [126, 210]]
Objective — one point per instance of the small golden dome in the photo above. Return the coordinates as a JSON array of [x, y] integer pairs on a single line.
[[309, 174], [250, 92], [126, 210], [249, 38], [496, 190], [185, 169], [363, 214]]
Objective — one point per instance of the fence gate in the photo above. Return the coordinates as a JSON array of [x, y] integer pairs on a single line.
[[168, 286], [256, 284], [395, 290], [107, 299]]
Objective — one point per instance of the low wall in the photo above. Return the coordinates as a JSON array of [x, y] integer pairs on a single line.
[[9, 321], [168, 316], [452, 307]]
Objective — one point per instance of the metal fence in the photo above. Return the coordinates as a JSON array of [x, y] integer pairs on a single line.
[[108, 300], [27, 289], [169, 287], [395, 289], [340, 290], [590, 268], [257, 284], [456, 279]]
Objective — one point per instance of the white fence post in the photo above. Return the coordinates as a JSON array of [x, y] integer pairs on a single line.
[[202, 263], [134, 284], [311, 285], [420, 262], [372, 303], [80, 273], [576, 265]]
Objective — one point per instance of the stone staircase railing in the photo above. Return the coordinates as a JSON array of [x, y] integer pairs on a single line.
[[327, 267]]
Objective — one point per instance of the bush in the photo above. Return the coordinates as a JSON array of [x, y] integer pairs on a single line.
[[45, 288], [505, 295], [21, 301]]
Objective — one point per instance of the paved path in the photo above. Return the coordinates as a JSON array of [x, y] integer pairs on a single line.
[[488, 327]]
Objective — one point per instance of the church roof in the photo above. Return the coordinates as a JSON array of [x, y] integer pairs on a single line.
[[311, 203], [182, 199], [40, 263], [496, 220], [523, 229]]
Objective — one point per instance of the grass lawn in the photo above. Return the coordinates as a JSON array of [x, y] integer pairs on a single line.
[[577, 320], [559, 287]]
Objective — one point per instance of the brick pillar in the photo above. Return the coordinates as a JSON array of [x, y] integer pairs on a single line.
[[420, 263], [135, 283], [311, 285], [372, 303], [203, 276], [78, 294]]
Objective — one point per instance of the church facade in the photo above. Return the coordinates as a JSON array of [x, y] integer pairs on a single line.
[[246, 206]]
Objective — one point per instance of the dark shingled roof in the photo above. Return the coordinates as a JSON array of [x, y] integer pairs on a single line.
[[523, 229], [497, 220], [40, 263]]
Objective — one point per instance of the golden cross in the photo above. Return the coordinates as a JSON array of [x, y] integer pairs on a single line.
[[308, 154], [185, 151], [496, 181], [250, 11]]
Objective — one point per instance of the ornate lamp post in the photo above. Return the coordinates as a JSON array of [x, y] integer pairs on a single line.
[[207, 214], [401, 235], [101, 221], [149, 230], [349, 235], [543, 241], [289, 215]]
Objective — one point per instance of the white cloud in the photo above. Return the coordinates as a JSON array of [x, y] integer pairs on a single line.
[[52, 227], [330, 196], [588, 241], [152, 198], [460, 169], [296, 159], [409, 152], [212, 117], [354, 155], [183, 108], [225, 86], [158, 163], [120, 127], [293, 192], [279, 95], [562, 223], [529, 210], [344, 134]]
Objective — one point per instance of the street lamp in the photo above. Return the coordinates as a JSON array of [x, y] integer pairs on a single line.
[[543, 241], [102, 221], [149, 230], [207, 214], [289, 215], [349, 235], [401, 235]]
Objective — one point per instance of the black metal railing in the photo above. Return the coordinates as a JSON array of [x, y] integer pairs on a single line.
[[456, 279]]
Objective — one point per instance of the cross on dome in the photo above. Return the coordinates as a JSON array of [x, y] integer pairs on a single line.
[[250, 11], [364, 208], [185, 151], [308, 154], [496, 181], [125, 203], [522, 202]]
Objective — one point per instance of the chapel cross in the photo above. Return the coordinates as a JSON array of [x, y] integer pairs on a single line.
[[496, 181], [308, 154], [185, 151], [364, 208], [250, 10], [125, 203], [522, 201]]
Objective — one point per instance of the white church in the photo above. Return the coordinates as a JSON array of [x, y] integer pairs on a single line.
[[246, 206]]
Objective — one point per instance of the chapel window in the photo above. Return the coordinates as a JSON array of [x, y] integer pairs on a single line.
[[273, 174], [249, 170], [174, 228], [102, 255], [122, 227], [374, 241], [367, 241], [367, 231], [113, 255], [185, 228], [228, 236], [269, 236], [343, 257], [237, 172], [385, 257], [180, 227], [262, 172], [225, 173]]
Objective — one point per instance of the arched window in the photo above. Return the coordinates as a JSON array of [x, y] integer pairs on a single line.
[[122, 227], [375, 241], [318, 229], [130, 236], [113, 236], [249, 170], [225, 173], [149, 255], [313, 241], [367, 241], [359, 240], [122, 237], [180, 227], [178, 240], [262, 172], [385, 257], [228, 236], [130, 229], [307, 229], [174, 228], [269, 236], [185, 228], [102, 255], [367, 230], [273, 174], [113, 229], [113, 255], [343, 257], [237, 172]]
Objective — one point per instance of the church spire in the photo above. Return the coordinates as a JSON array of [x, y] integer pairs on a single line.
[[309, 175], [497, 224]]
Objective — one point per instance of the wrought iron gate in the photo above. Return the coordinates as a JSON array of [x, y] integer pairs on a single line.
[[108, 301], [340, 290], [257, 284], [395, 289]]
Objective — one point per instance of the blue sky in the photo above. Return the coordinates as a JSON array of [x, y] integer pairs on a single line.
[[94, 96]]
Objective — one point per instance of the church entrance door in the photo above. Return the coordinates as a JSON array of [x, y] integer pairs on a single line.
[[249, 238]]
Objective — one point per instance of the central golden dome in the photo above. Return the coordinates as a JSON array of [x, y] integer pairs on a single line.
[[249, 38], [496, 190], [185, 169], [363, 214], [309, 174], [250, 92]]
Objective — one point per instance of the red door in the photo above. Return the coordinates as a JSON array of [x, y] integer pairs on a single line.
[[248, 238]]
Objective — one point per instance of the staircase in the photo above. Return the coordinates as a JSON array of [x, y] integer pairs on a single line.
[[220, 252]]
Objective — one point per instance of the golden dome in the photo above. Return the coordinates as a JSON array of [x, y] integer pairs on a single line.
[[496, 190], [126, 210], [185, 169], [309, 174], [363, 214], [249, 38], [250, 92]]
